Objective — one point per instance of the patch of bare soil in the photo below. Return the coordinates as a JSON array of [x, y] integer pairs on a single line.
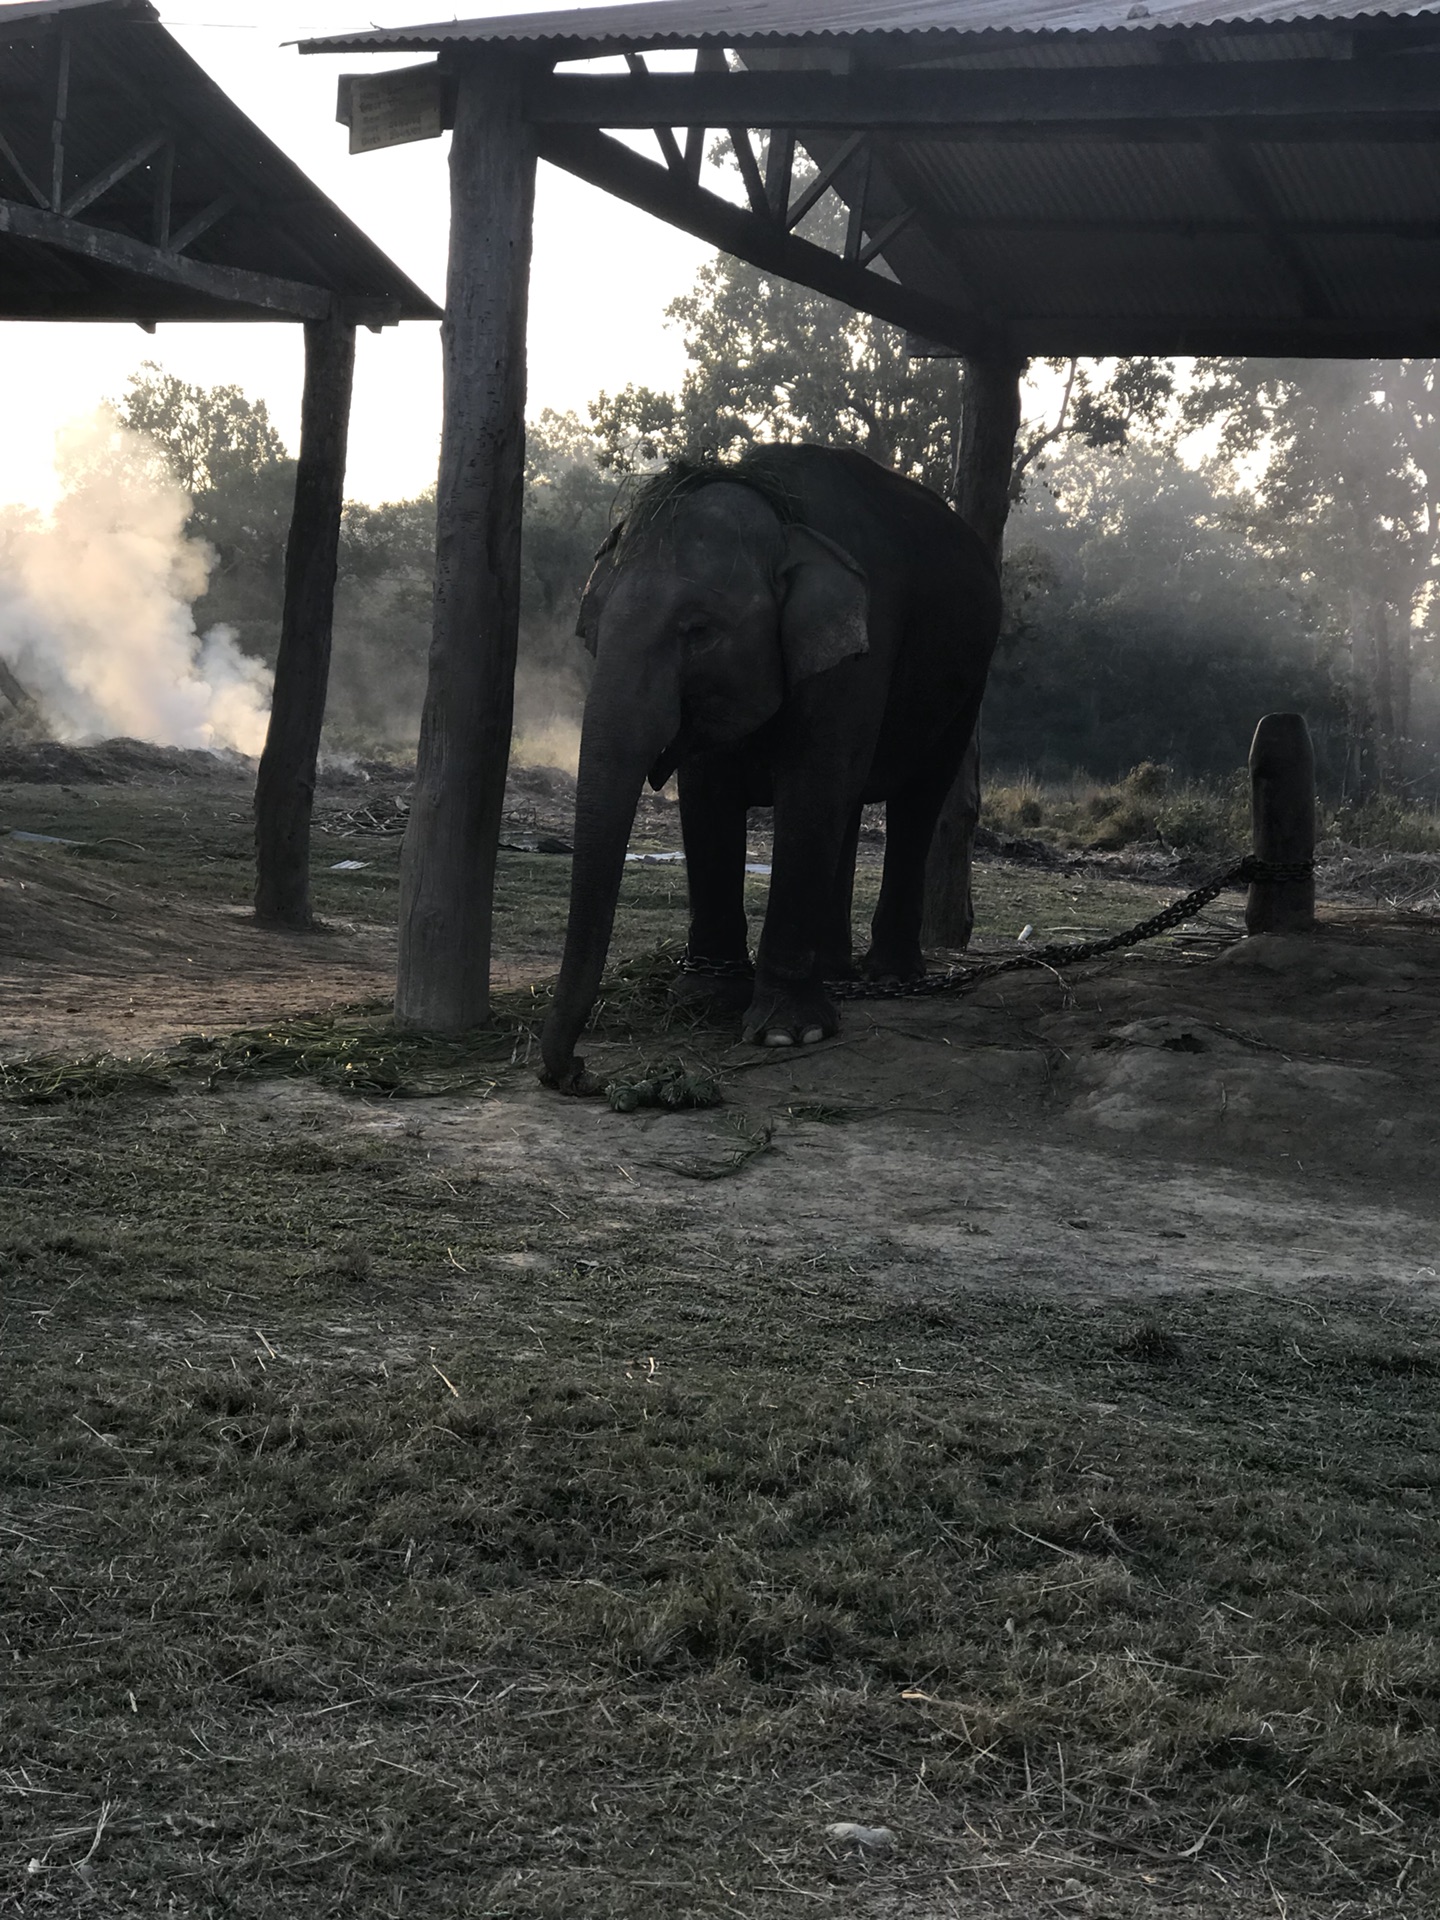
[[90, 961], [1267, 1118]]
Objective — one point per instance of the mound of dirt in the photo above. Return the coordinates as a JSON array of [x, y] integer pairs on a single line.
[[52, 763]]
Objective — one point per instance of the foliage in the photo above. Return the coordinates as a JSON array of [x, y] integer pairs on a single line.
[[568, 508], [224, 451], [770, 360], [1142, 625], [1339, 466], [208, 434], [222, 448]]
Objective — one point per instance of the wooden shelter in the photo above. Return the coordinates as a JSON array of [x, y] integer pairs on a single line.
[[1021, 177], [132, 188]]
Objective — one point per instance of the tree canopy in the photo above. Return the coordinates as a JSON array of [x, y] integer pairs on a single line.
[[1335, 466], [1189, 547]]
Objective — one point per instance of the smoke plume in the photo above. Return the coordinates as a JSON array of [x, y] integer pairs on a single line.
[[95, 605]]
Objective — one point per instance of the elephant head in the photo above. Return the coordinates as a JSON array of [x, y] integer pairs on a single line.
[[704, 611]]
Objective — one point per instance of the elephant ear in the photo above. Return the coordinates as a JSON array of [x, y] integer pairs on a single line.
[[597, 588], [824, 605]]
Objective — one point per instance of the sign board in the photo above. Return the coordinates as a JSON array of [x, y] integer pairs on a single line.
[[387, 109]]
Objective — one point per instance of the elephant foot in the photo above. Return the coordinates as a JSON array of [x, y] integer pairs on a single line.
[[727, 990], [886, 963], [572, 1079], [789, 1016]]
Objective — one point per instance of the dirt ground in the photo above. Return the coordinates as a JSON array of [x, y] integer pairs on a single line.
[[1219, 1151]]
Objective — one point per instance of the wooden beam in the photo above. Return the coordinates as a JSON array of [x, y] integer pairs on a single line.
[[285, 787], [7, 152], [112, 175], [143, 303], [236, 285], [1099, 336], [619, 170], [57, 124], [1184, 227], [779, 170], [694, 155], [855, 224], [984, 462], [749, 170], [825, 178], [665, 137], [876, 245], [448, 862], [164, 195], [1245, 180], [707, 60], [1321, 100], [202, 222]]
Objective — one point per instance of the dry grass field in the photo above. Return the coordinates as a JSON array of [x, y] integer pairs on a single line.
[[1011, 1425]]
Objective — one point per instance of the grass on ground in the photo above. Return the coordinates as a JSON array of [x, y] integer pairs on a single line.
[[1191, 816], [394, 1535], [386, 1532]]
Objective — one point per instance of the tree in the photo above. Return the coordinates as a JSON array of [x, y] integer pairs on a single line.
[[1338, 463], [773, 361], [223, 450], [208, 434], [568, 507], [770, 360], [387, 569], [1143, 624]]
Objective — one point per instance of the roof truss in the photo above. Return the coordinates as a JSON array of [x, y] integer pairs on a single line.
[[1375, 99], [137, 190], [910, 261]]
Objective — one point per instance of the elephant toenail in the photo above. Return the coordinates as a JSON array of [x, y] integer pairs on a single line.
[[777, 1037], [811, 1035]]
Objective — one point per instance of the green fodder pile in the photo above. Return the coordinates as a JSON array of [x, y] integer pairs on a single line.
[[391, 1536]]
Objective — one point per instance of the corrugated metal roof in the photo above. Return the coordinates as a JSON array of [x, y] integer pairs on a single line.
[[129, 81], [1162, 247], [13, 12], [689, 23], [1146, 237]]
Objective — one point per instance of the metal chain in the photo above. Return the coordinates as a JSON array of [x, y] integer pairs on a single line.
[[719, 969], [1058, 954]]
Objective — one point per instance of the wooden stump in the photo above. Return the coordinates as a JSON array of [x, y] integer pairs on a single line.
[[448, 862], [1282, 812], [285, 788], [984, 461]]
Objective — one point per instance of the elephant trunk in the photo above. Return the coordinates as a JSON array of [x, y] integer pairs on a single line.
[[617, 750]]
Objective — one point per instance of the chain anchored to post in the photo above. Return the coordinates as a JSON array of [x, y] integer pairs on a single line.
[[1071, 953]]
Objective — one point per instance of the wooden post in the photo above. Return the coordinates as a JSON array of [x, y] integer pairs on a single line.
[[984, 461], [285, 789], [448, 860], [1282, 814]]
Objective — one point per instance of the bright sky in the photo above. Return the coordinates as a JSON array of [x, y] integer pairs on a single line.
[[602, 276]]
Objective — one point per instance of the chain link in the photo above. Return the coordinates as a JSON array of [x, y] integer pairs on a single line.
[[1061, 954], [718, 969]]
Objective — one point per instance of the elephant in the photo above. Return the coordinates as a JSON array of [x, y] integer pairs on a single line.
[[799, 628]]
